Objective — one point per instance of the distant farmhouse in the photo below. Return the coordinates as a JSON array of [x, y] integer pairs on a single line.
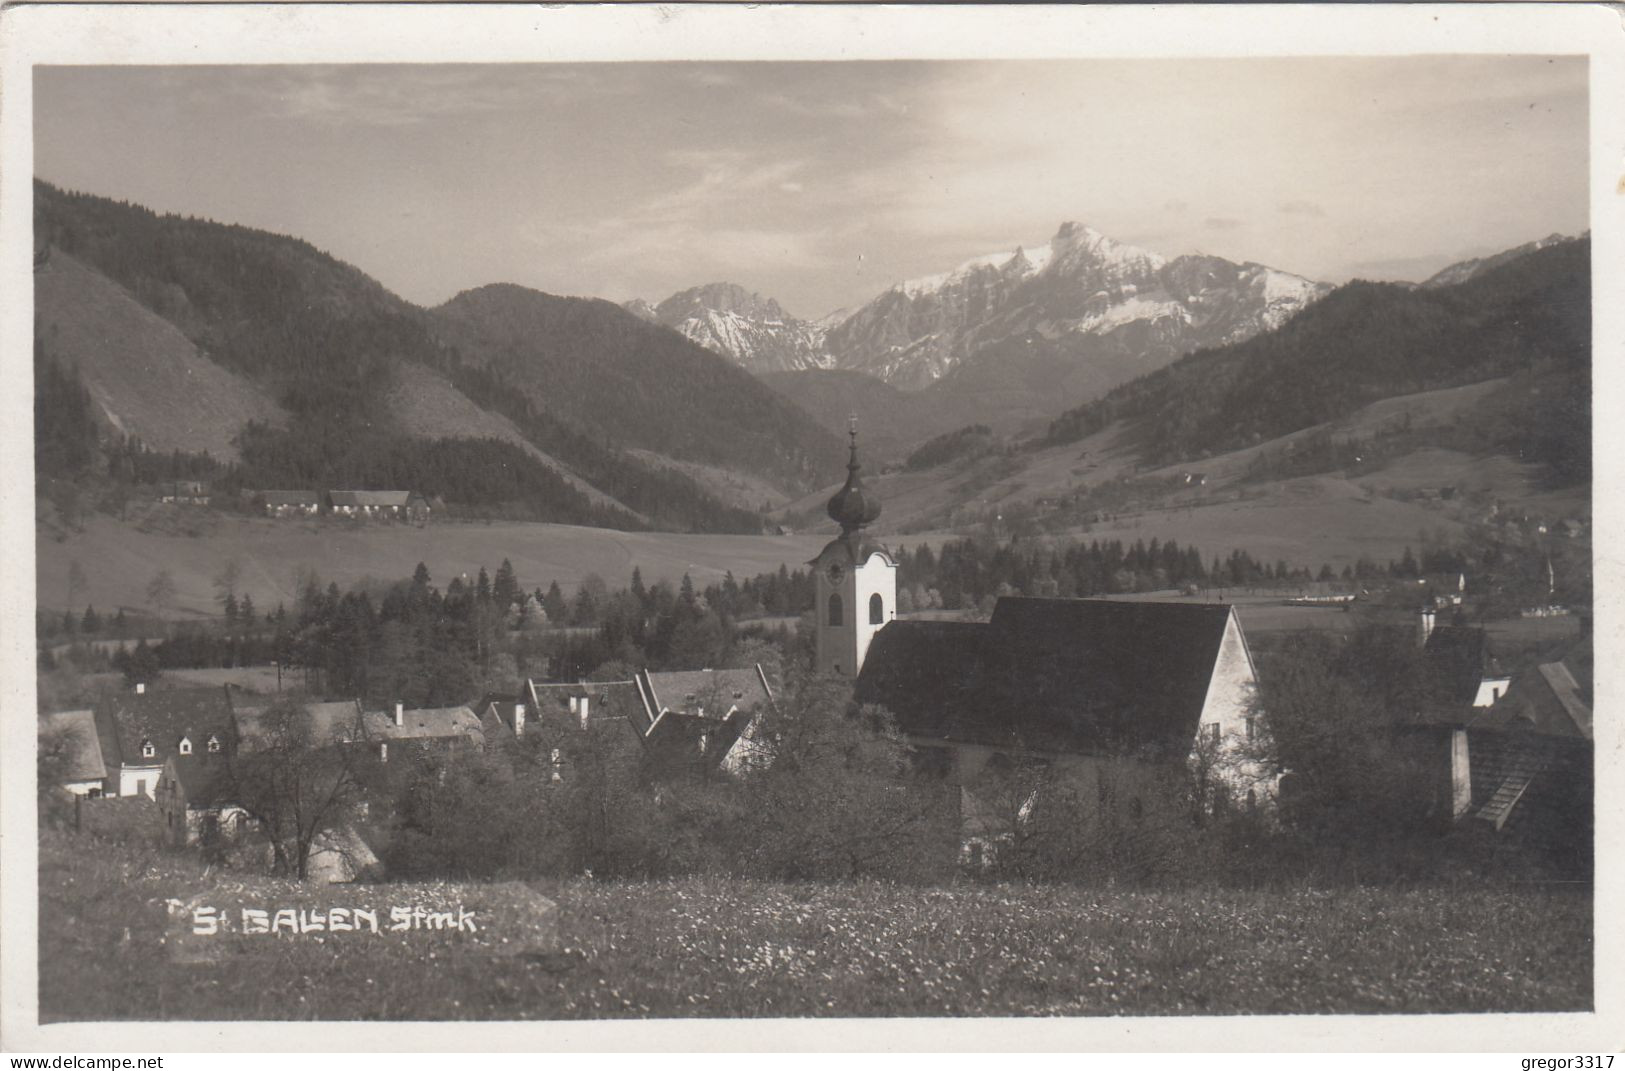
[[290, 503], [184, 493], [379, 505]]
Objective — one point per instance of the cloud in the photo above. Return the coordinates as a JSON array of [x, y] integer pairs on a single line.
[[1301, 208], [399, 96], [1175, 205], [1221, 223]]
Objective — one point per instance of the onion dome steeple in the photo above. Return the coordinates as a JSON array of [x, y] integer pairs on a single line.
[[852, 507]]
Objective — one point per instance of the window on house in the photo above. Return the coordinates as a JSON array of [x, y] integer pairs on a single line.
[[1213, 731], [1252, 728], [147, 749], [877, 609], [836, 611], [186, 746], [214, 743]]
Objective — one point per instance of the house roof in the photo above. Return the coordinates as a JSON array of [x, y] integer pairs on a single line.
[[291, 498], [428, 723], [330, 723], [204, 779], [1551, 699], [82, 746], [613, 699], [708, 692], [1072, 675], [161, 716], [370, 498], [1457, 658], [698, 712]]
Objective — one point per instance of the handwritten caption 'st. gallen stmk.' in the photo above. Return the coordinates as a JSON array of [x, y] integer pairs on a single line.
[[208, 921]]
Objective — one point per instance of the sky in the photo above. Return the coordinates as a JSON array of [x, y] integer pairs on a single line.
[[823, 183]]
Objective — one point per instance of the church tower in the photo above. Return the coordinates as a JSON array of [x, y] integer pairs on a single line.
[[855, 581]]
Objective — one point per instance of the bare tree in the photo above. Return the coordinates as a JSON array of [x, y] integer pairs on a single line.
[[161, 589], [298, 780]]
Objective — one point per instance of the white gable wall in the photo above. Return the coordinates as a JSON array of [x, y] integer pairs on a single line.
[[1230, 703]]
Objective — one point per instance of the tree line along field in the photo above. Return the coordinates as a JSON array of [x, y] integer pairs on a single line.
[[711, 947], [118, 561]]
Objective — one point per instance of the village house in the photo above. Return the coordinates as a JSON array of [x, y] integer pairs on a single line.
[[195, 797], [140, 728], [1460, 664], [698, 719], [401, 730], [75, 748], [1520, 769]]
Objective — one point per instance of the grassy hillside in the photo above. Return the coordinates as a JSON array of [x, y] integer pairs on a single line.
[[891, 421], [147, 379], [701, 948], [424, 402]]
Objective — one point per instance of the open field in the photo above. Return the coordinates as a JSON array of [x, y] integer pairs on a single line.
[[736, 948], [119, 560]]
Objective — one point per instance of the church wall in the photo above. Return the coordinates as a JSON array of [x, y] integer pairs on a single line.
[[845, 646]]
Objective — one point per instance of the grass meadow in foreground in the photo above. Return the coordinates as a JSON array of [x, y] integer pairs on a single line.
[[714, 947]]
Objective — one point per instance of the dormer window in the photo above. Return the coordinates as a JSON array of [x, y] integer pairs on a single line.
[[148, 750], [214, 743], [185, 746]]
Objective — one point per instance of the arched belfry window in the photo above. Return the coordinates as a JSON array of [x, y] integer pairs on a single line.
[[835, 611], [877, 609]]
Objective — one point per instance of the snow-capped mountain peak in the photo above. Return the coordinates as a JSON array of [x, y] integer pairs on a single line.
[[753, 330]]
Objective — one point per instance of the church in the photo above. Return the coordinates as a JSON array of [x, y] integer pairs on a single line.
[[1148, 698]]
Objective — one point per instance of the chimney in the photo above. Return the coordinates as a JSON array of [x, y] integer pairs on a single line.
[[400, 713], [582, 710], [519, 719], [1427, 624], [140, 688]]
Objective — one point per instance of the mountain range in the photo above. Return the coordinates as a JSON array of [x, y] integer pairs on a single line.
[[1007, 337], [263, 362]]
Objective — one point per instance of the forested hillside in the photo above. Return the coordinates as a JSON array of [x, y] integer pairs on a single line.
[[325, 343], [645, 385], [1529, 319]]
